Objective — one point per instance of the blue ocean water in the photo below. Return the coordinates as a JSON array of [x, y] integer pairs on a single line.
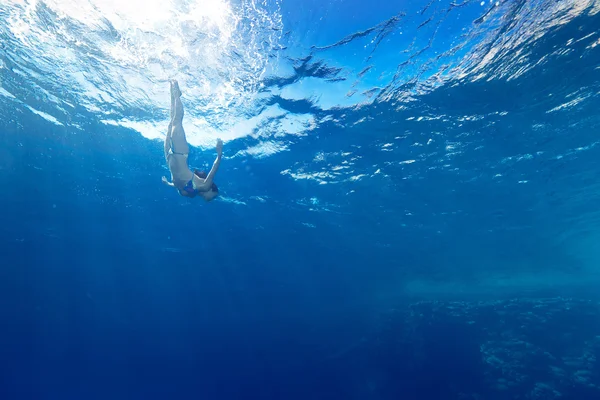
[[408, 202]]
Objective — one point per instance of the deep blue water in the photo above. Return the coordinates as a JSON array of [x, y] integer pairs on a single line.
[[409, 202]]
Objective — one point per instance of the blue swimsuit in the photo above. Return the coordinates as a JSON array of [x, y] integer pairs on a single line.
[[189, 189]]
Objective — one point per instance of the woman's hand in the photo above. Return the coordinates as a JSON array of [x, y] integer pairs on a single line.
[[166, 182], [219, 148]]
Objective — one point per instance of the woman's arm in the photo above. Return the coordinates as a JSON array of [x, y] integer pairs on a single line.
[[213, 171], [205, 184]]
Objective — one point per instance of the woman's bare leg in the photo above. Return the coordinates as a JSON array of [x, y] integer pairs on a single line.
[[176, 106], [177, 134], [170, 128], [168, 141]]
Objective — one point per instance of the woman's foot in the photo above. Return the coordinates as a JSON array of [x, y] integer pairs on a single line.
[[175, 91]]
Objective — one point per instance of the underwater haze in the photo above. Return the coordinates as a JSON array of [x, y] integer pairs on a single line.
[[409, 206]]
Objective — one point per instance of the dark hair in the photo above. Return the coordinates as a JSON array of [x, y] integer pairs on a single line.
[[203, 175]]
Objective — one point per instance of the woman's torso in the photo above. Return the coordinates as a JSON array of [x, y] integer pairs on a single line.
[[180, 171]]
